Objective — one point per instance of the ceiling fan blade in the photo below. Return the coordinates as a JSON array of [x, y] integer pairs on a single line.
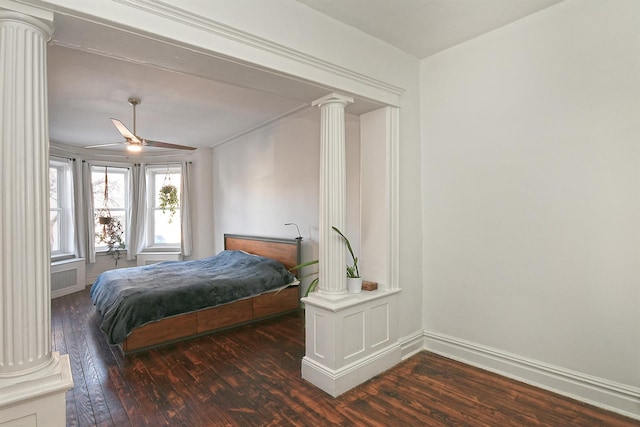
[[105, 145], [126, 133], [166, 145], [137, 143]]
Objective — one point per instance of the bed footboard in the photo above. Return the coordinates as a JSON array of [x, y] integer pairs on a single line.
[[213, 319]]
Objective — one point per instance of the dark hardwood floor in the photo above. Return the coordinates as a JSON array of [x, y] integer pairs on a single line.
[[250, 376]]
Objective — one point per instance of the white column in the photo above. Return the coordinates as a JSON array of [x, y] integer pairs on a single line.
[[30, 374], [350, 338], [332, 275]]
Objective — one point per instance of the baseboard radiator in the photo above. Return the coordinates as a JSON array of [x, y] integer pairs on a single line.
[[67, 276], [148, 258]]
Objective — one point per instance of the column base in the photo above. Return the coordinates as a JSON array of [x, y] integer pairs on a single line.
[[336, 382], [331, 296], [37, 399], [350, 340]]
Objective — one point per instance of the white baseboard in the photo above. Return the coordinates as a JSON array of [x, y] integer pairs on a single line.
[[336, 382], [66, 291], [411, 344], [605, 394]]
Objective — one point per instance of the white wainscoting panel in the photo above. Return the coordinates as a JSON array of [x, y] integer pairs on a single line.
[[349, 340], [353, 339]]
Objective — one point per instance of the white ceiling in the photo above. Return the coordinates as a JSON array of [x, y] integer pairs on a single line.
[[194, 99], [86, 90], [424, 27]]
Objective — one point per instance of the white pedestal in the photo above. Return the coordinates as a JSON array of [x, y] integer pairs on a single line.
[[37, 399], [350, 340]]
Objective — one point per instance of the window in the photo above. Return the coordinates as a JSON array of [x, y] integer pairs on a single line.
[[61, 209], [163, 227], [116, 200]]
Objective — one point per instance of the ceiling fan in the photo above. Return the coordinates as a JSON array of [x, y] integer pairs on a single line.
[[134, 142]]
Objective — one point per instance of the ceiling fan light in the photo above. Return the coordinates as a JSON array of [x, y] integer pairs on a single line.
[[134, 148]]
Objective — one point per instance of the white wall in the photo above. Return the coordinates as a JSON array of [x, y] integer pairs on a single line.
[[268, 178], [375, 258], [531, 177], [202, 204], [271, 177]]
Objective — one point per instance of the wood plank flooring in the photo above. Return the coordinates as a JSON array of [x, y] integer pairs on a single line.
[[250, 376]]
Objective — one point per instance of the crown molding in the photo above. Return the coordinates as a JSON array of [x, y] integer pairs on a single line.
[[302, 108], [174, 13]]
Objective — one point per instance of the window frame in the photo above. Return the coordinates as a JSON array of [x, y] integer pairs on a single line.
[[151, 172], [64, 209], [119, 169]]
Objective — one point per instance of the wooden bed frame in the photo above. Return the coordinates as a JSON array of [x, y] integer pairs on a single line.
[[208, 320]]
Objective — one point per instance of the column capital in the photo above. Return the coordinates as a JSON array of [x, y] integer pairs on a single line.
[[333, 98], [38, 17]]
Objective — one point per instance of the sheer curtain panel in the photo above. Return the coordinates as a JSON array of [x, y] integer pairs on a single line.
[[185, 206], [87, 207]]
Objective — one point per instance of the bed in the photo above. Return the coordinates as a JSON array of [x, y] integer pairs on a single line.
[[140, 308]]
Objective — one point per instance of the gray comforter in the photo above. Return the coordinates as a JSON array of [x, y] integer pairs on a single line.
[[130, 297]]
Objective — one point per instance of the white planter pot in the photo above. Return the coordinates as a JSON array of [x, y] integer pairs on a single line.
[[354, 285]]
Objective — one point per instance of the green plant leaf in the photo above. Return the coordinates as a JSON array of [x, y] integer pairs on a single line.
[[168, 195], [304, 264], [312, 286], [351, 271]]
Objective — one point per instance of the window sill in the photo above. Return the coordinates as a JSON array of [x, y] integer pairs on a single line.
[[65, 261], [62, 257]]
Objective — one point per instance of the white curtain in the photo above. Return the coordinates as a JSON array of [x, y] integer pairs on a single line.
[[185, 211], [80, 243], [141, 236], [132, 212], [87, 214], [138, 213]]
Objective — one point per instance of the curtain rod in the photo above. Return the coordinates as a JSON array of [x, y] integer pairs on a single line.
[[62, 157], [166, 163]]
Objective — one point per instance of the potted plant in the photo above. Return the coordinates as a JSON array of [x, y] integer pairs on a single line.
[[103, 220], [112, 236], [354, 281], [169, 200]]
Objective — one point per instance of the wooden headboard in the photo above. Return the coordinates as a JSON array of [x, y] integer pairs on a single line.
[[287, 251]]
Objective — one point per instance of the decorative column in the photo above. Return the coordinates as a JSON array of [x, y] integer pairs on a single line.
[[349, 338], [33, 380], [333, 184]]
